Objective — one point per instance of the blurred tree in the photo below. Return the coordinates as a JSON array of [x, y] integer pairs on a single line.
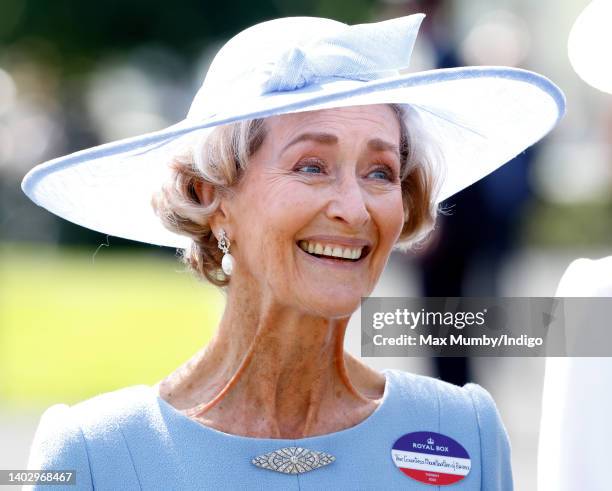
[[86, 30]]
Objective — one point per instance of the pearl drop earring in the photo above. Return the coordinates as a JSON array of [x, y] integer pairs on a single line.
[[227, 263]]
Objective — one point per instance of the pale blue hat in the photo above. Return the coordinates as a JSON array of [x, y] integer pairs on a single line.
[[480, 117]]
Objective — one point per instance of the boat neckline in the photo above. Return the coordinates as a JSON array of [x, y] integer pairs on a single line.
[[361, 426]]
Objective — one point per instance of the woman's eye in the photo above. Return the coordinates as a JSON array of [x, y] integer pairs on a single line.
[[382, 174], [317, 167], [310, 168]]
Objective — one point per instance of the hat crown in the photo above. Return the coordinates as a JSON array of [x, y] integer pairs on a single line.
[[292, 52]]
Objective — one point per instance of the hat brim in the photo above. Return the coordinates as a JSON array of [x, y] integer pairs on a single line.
[[478, 117]]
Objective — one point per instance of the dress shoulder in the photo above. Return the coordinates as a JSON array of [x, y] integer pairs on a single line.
[[467, 414], [88, 436], [59, 445]]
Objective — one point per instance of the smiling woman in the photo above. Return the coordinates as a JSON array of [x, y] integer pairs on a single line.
[[219, 162], [310, 156], [403, 169], [312, 187]]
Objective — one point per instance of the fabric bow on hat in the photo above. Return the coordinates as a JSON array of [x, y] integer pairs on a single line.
[[360, 52]]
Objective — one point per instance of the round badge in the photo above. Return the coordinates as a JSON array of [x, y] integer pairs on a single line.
[[431, 458]]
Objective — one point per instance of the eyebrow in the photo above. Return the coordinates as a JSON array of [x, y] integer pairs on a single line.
[[378, 145], [374, 144]]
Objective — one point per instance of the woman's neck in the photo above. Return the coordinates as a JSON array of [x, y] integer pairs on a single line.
[[273, 372]]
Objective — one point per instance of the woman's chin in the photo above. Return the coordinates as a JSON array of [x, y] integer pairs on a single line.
[[335, 305]]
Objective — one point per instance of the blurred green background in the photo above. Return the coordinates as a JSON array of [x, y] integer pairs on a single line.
[[75, 324]]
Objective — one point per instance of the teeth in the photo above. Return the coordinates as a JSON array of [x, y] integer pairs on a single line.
[[331, 250]]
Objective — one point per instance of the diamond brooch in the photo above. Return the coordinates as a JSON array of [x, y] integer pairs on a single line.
[[293, 460]]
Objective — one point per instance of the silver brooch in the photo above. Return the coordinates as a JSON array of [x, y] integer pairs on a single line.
[[293, 460]]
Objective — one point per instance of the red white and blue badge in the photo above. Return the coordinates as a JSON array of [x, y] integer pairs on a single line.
[[431, 458]]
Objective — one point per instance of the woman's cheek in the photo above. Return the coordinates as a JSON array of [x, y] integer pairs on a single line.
[[391, 217]]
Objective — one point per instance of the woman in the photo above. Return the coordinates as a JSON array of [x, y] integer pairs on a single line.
[[306, 157]]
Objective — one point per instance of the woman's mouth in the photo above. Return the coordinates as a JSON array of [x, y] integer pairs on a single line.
[[333, 252]]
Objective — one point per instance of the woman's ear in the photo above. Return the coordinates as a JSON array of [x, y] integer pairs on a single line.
[[205, 192]]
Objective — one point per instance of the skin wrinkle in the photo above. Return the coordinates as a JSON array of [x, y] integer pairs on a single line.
[[276, 366]]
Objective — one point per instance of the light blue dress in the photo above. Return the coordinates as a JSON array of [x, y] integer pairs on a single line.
[[131, 439]]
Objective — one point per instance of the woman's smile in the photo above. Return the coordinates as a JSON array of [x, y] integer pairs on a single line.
[[342, 258]]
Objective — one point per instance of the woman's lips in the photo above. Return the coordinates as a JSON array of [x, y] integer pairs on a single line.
[[334, 262]]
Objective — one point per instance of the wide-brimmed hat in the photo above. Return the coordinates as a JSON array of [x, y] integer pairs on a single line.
[[480, 117]]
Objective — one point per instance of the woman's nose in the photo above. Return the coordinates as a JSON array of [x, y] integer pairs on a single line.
[[348, 203]]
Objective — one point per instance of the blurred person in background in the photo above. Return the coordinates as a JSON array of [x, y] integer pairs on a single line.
[[575, 427], [481, 225]]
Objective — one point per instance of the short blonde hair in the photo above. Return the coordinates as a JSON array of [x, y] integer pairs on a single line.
[[220, 159]]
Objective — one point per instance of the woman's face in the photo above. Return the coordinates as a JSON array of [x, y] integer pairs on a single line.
[[326, 182]]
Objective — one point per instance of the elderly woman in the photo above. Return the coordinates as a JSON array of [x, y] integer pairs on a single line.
[[306, 158]]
